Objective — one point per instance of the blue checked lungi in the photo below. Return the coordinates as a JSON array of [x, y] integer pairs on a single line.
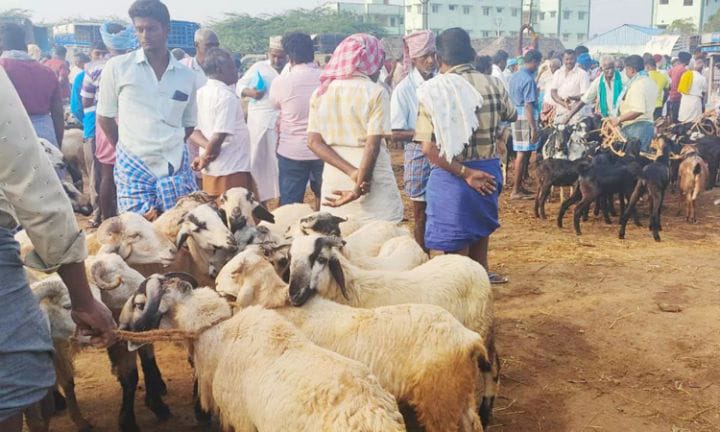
[[521, 131], [139, 190], [416, 172]]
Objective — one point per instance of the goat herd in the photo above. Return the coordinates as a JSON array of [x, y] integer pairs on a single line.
[[600, 165], [303, 322]]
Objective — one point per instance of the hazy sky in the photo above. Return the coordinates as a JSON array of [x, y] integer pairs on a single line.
[[605, 15]]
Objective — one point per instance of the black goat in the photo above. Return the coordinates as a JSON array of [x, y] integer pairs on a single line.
[[709, 149]]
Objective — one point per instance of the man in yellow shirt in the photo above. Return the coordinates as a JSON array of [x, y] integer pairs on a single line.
[[662, 81]]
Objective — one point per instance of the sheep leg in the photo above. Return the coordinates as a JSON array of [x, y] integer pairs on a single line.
[[630, 207], [583, 206], [540, 199], [605, 201], [201, 416], [491, 376], [38, 415], [60, 402], [662, 202], [712, 177], [125, 368], [655, 203], [572, 199], [75, 175], [65, 377], [154, 385]]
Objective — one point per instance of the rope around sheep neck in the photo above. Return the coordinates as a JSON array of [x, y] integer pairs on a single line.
[[164, 335]]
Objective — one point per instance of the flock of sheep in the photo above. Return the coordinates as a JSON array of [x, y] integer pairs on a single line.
[[303, 322]]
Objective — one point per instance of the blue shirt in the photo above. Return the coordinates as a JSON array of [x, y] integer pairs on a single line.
[[523, 89], [86, 118]]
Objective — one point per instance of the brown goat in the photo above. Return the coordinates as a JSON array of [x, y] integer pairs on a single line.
[[693, 174]]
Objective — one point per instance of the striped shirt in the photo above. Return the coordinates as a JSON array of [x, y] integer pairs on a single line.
[[350, 111], [496, 108]]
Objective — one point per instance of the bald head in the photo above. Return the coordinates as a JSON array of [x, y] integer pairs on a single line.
[[205, 39]]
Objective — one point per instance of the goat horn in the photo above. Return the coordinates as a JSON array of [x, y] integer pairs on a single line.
[[98, 271]]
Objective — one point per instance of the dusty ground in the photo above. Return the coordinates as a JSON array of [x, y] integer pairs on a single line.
[[585, 345]]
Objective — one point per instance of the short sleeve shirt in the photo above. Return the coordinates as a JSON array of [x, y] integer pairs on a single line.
[[640, 97], [404, 102], [523, 89]]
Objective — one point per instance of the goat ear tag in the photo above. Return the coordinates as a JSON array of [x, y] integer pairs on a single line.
[[132, 346]]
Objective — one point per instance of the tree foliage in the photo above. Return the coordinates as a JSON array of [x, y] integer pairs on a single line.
[[248, 34], [683, 27], [16, 13], [713, 23]]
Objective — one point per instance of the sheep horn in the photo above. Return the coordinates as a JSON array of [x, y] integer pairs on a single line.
[[98, 273]]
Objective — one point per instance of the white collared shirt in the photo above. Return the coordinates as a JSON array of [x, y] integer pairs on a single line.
[[404, 102], [500, 74], [192, 63], [152, 114], [261, 110], [220, 111], [573, 83]]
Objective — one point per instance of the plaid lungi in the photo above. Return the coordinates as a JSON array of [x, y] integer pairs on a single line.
[[139, 190], [521, 132], [416, 172]]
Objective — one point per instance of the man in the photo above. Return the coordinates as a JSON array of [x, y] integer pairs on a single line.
[[693, 90], [604, 93], [483, 64], [32, 196], [500, 60], [662, 82], [221, 133], [290, 96], [262, 119], [154, 97], [205, 39], [569, 83], [584, 60], [117, 39], [59, 65], [462, 191], [80, 60], [37, 85], [675, 73], [349, 116], [637, 104], [525, 95], [419, 65]]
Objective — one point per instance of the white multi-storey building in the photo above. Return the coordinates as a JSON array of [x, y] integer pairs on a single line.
[[567, 20], [481, 18], [664, 12], [389, 16]]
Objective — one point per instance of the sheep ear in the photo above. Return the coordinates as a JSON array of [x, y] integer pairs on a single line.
[[184, 277], [263, 214], [223, 216], [337, 273], [182, 237]]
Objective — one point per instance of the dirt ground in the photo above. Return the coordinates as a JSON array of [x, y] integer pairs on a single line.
[[584, 341]]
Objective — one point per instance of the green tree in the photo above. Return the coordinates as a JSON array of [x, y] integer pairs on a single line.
[[683, 27], [248, 34], [16, 13], [713, 23]]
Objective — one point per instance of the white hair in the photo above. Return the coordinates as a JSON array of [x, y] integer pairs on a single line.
[[203, 33], [607, 59]]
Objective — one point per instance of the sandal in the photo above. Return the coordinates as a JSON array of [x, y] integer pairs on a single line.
[[497, 279], [521, 196]]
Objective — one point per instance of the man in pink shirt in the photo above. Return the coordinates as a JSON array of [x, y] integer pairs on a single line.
[[675, 73], [61, 67], [290, 94]]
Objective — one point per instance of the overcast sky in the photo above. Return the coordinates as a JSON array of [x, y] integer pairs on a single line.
[[606, 14]]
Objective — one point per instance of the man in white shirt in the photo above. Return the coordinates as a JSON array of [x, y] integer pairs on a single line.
[[262, 119], [221, 133], [499, 65], [154, 95], [419, 65], [569, 83]]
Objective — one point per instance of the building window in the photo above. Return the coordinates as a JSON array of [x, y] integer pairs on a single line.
[[514, 12], [513, 33], [392, 22], [435, 8], [664, 2], [486, 33], [542, 16], [418, 8], [401, 20], [566, 37], [408, 8], [566, 15], [581, 16], [466, 10], [499, 10], [552, 14], [581, 36], [452, 7], [687, 2], [486, 11], [501, 33]]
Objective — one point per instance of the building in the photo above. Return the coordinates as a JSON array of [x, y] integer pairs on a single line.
[[567, 20], [381, 12], [627, 39], [664, 12], [489, 18]]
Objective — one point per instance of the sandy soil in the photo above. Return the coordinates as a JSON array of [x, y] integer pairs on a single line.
[[584, 343]]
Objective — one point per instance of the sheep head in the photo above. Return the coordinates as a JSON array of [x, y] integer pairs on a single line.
[[135, 239], [53, 153], [250, 278], [315, 265], [212, 239], [80, 204], [319, 223], [240, 208]]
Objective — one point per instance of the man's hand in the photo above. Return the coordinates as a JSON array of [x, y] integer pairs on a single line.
[[254, 93], [481, 181], [342, 197], [615, 121], [533, 134], [95, 321], [199, 163], [151, 214]]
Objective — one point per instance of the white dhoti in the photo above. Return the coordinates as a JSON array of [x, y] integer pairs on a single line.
[[383, 202], [263, 158], [690, 108]]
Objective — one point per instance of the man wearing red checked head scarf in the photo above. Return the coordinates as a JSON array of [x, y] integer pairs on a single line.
[[418, 66], [348, 121]]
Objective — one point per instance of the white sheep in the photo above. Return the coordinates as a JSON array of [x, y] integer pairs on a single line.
[[420, 353], [257, 371], [134, 238], [456, 283], [285, 216], [168, 223]]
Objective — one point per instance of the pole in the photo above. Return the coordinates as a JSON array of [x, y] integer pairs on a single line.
[[425, 12]]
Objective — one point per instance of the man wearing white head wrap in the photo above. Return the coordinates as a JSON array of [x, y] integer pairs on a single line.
[[262, 118], [418, 66]]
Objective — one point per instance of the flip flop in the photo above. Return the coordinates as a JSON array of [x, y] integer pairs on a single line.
[[521, 196], [497, 279]]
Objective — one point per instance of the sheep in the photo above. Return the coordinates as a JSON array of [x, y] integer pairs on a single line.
[[168, 223], [285, 216], [322, 223], [73, 150], [256, 370], [53, 153], [117, 282], [80, 204], [209, 241], [411, 348], [553, 172], [369, 239], [693, 174], [133, 238], [456, 283], [709, 149], [240, 208]]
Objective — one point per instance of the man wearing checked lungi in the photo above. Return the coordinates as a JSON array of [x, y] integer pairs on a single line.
[[418, 66]]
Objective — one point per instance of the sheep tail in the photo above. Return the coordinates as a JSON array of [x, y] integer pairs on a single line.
[[697, 180]]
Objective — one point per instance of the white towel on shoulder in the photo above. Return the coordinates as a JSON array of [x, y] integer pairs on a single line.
[[452, 102]]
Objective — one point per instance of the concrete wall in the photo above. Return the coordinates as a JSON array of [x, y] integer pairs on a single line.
[[481, 19], [699, 11], [568, 20]]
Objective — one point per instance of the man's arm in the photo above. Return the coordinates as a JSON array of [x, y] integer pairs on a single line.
[[58, 116], [110, 128], [317, 144], [481, 181], [558, 100]]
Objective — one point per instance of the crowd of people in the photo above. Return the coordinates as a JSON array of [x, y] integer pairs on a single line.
[[160, 128]]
